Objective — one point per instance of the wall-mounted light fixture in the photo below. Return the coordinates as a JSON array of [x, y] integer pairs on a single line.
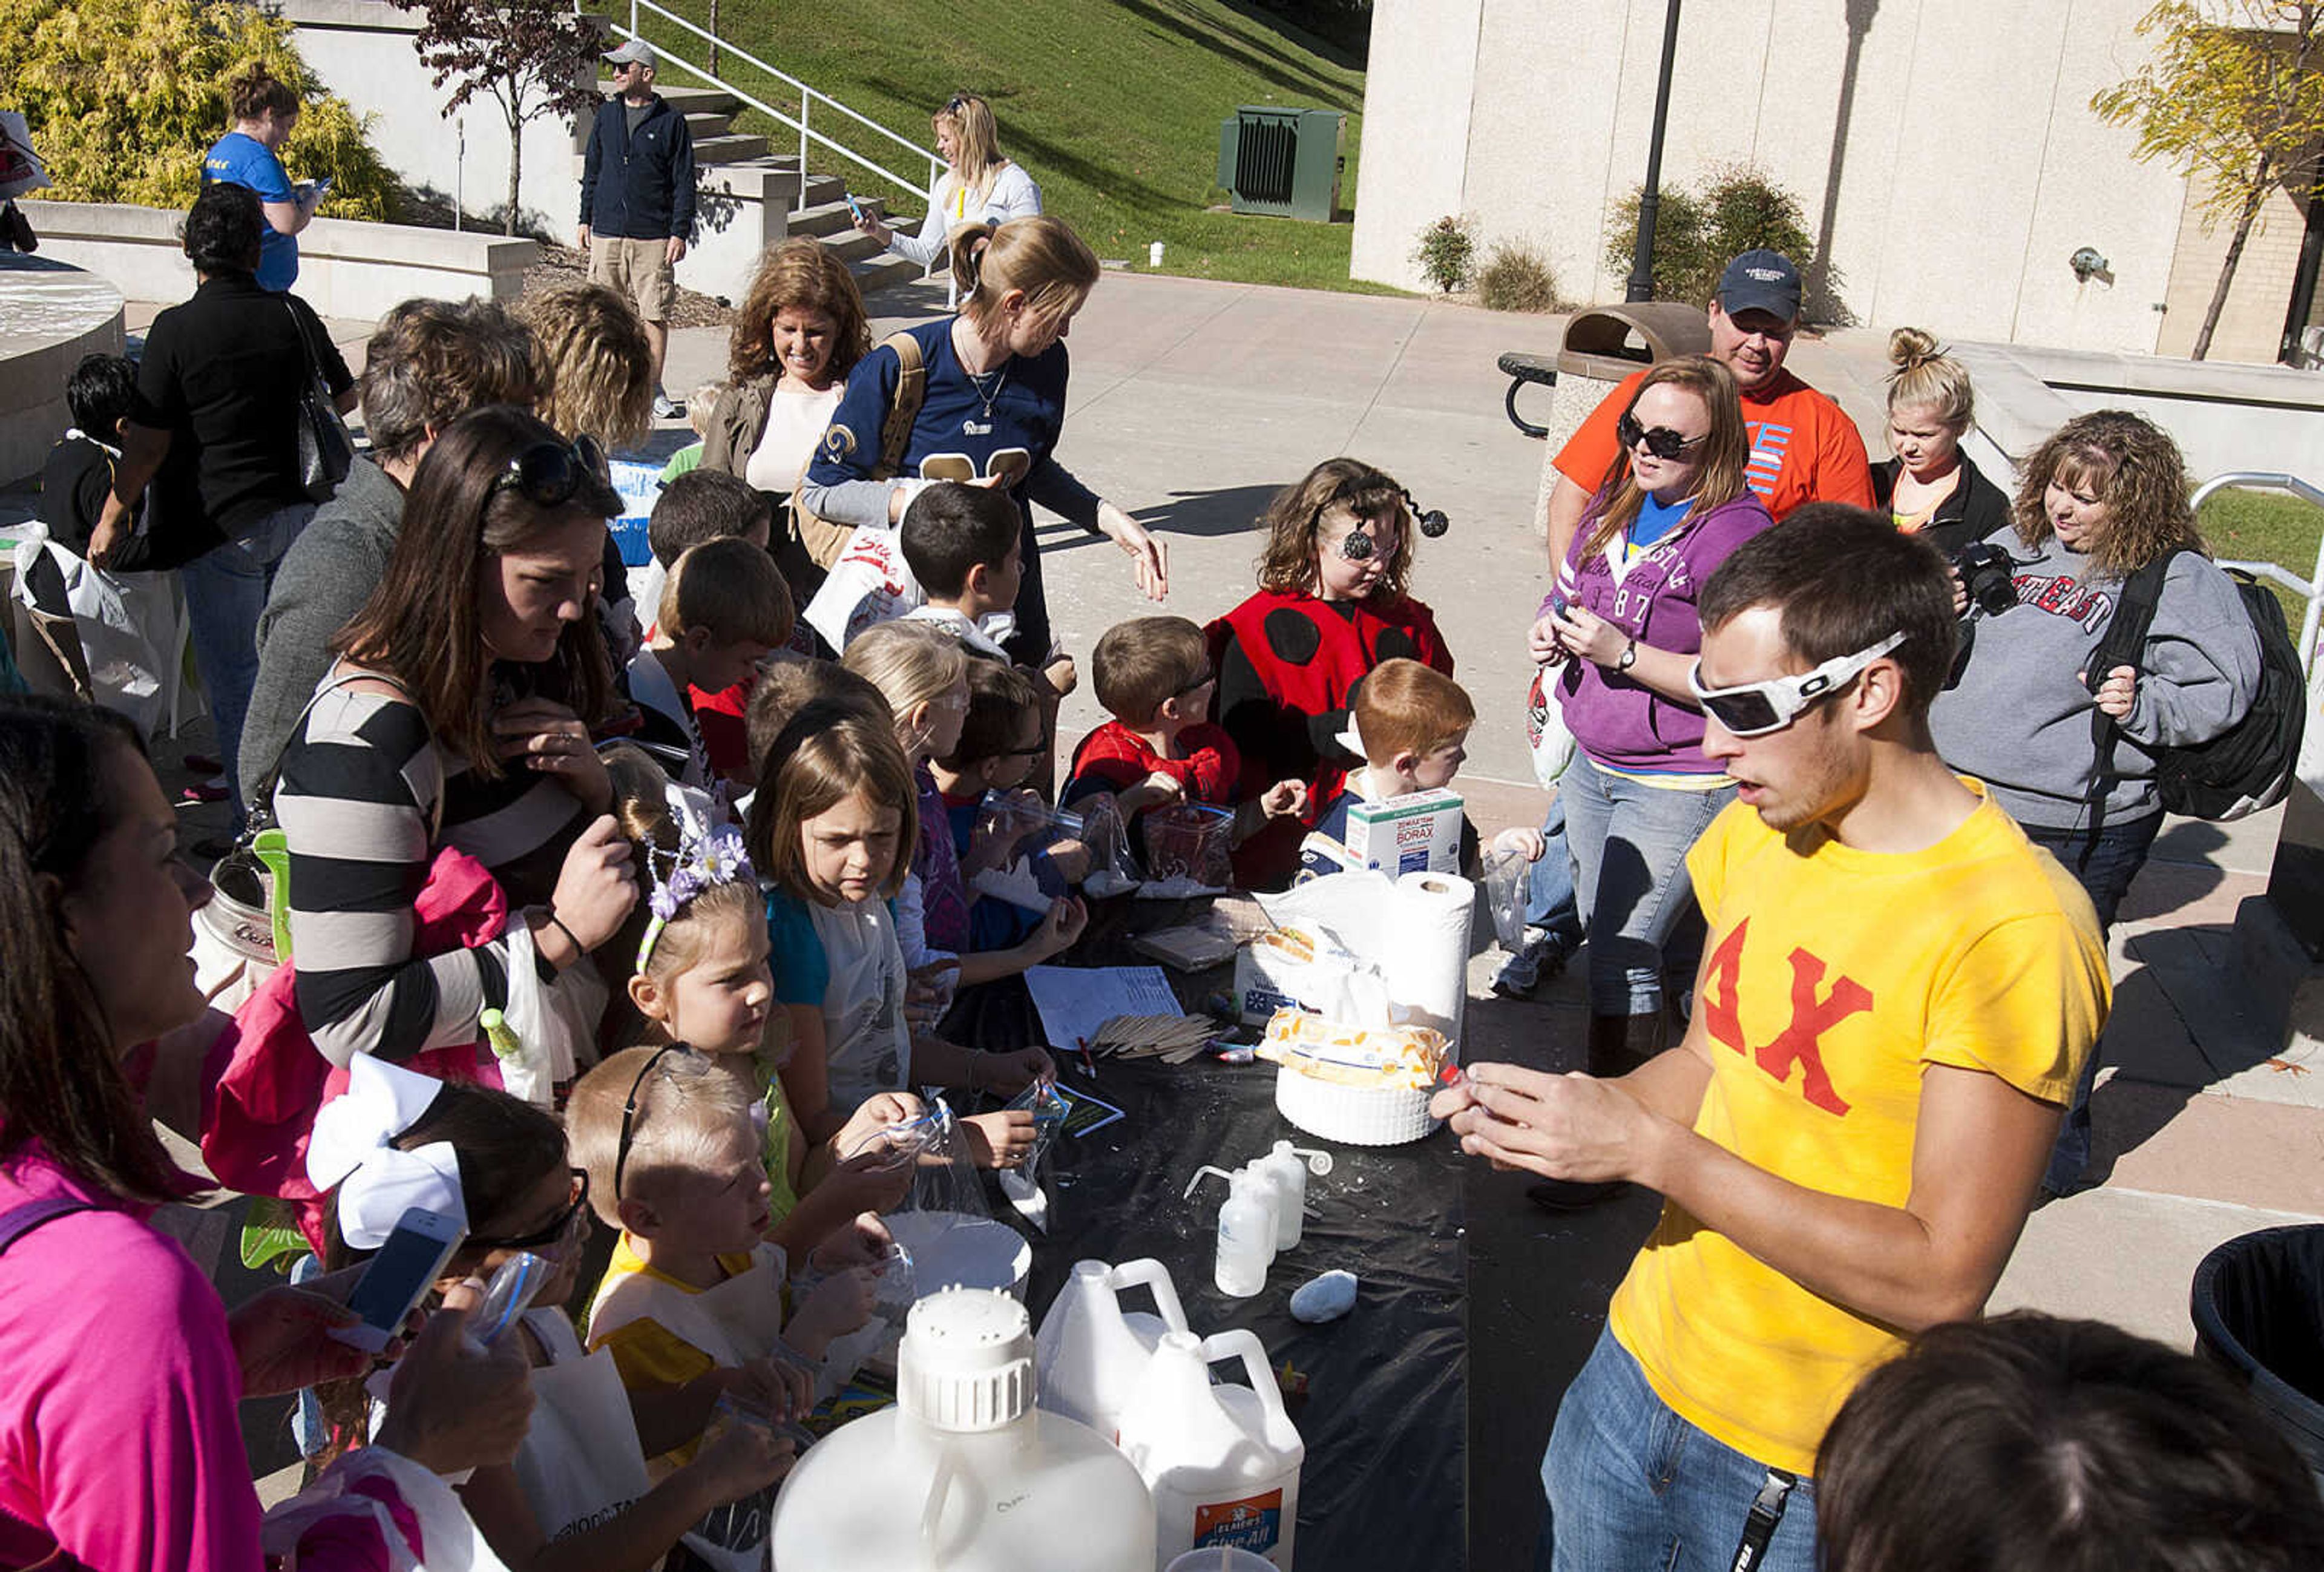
[[2088, 265]]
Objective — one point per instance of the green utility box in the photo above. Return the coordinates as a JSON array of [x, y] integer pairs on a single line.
[[1283, 161]]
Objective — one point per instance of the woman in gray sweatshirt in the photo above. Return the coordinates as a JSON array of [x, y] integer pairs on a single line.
[[2103, 497]]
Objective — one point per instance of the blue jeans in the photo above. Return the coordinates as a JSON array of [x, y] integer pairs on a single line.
[[226, 589], [1630, 843], [2105, 866], [1632, 1486], [1550, 905]]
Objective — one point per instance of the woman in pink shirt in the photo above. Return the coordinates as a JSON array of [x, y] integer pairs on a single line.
[[119, 1442]]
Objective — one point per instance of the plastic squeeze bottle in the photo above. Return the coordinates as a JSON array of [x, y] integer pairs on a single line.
[[1285, 1166], [1246, 1246]]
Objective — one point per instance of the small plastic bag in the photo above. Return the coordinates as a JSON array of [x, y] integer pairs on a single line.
[[1113, 869], [1190, 847], [936, 1149], [1508, 882]]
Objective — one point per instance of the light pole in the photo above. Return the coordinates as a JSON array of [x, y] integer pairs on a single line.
[[1642, 258]]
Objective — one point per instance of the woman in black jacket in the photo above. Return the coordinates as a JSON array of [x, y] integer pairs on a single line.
[[1931, 488]]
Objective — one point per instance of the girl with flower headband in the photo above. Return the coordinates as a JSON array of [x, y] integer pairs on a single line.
[[699, 976], [577, 1493]]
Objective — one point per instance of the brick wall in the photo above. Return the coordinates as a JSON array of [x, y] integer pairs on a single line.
[[2252, 321]]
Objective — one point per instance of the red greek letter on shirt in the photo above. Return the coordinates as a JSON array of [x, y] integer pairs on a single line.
[[1811, 1017]]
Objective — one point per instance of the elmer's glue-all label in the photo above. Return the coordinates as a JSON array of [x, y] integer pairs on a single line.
[[1254, 1523]]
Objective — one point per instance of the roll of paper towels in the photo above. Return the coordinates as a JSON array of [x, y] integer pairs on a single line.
[[1426, 958]]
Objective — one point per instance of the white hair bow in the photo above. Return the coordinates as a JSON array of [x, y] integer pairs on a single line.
[[353, 1148]]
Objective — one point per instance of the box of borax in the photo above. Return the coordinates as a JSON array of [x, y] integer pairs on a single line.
[[1414, 833]]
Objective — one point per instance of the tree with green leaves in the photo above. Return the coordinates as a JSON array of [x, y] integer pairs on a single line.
[[123, 95], [2235, 99], [533, 57]]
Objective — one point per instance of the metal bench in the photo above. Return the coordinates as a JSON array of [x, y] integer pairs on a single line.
[[1521, 368]]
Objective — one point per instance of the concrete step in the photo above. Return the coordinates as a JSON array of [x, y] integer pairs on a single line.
[[699, 100], [729, 149], [701, 125], [832, 218], [874, 274], [849, 244]]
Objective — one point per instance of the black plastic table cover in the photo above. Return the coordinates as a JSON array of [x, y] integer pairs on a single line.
[[1384, 1416]]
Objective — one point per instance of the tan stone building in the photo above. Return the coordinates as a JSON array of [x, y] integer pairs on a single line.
[[1945, 152]]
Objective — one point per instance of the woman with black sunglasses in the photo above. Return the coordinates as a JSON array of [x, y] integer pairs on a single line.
[[1624, 621], [458, 717]]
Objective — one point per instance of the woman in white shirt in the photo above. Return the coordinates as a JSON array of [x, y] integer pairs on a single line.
[[978, 186], [800, 331]]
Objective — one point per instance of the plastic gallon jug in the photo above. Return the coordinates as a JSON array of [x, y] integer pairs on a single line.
[[1091, 1354], [964, 1475], [1246, 1231], [1287, 1166], [1222, 1461]]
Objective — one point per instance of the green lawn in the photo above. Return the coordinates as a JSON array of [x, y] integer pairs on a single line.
[[1113, 105], [2266, 526]]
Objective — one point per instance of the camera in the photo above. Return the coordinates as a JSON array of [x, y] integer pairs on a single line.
[[1986, 574]]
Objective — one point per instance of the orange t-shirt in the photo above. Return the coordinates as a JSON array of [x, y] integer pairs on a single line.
[[1804, 448]]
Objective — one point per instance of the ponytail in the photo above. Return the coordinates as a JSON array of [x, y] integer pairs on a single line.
[[1040, 255], [1928, 377], [253, 90]]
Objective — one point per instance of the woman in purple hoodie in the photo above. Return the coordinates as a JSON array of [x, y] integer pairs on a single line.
[[1624, 622]]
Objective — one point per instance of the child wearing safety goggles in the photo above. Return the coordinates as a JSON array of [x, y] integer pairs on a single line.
[[1332, 603]]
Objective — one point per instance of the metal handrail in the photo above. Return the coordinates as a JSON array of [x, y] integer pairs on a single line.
[[2311, 589], [806, 95]]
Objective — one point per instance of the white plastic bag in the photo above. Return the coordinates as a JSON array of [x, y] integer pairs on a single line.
[[133, 632], [1545, 734], [555, 1023], [452, 1542]]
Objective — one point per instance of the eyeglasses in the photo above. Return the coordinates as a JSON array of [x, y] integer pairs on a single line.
[[576, 1199], [549, 475], [630, 1115], [1660, 441], [1752, 709]]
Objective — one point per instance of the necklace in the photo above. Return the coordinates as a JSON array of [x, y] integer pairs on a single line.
[[985, 396]]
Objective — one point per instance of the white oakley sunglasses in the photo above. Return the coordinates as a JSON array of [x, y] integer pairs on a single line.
[[1752, 709]]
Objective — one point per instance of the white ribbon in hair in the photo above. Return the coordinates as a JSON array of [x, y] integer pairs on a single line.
[[353, 1148]]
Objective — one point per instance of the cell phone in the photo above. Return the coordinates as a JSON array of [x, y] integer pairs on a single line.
[[1559, 605], [855, 206], [406, 1267]]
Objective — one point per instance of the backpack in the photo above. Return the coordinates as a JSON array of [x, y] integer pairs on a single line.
[[2246, 767], [825, 540]]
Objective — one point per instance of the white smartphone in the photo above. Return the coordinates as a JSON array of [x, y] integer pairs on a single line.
[[399, 1276]]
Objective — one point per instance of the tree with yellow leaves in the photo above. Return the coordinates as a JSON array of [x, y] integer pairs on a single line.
[[2235, 97]]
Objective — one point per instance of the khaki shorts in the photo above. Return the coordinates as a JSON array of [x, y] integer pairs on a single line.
[[639, 269]]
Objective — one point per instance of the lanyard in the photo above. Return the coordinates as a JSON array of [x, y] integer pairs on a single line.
[[1766, 1512]]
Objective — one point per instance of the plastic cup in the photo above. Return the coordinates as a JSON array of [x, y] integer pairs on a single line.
[[1221, 1558]]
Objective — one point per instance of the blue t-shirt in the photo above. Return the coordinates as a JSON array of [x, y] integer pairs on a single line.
[[795, 951], [243, 161], [954, 437]]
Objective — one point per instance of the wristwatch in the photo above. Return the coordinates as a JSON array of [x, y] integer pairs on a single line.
[[1628, 657]]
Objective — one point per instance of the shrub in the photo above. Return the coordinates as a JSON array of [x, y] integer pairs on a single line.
[[1734, 208], [1517, 277], [1447, 253], [122, 97]]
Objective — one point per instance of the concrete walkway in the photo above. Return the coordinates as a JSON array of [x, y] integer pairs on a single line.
[[1193, 403]]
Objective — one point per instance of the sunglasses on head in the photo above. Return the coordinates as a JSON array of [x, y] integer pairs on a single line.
[[1752, 709], [630, 1115], [1660, 441], [549, 475], [577, 1197], [956, 104]]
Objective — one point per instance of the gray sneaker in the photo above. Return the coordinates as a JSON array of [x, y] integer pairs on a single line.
[[663, 409], [1537, 961]]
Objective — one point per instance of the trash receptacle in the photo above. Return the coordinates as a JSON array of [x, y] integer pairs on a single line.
[[1603, 345], [2258, 1306]]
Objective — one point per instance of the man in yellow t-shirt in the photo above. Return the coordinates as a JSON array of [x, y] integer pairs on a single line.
[[1898, 993]]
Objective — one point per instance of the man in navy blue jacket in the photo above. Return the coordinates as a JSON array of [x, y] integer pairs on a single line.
[[637, 198]]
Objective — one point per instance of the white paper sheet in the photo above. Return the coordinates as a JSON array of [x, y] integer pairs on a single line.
[[1075, 1001]]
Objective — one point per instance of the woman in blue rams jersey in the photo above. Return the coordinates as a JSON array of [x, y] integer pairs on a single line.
[[992, 410]]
